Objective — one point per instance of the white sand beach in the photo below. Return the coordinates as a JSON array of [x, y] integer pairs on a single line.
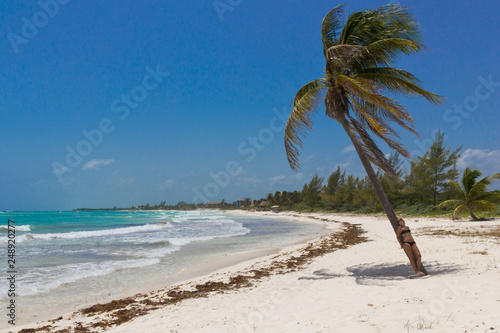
[[362, 288]]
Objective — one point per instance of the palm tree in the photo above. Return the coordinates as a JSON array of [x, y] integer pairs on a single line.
[[358, 71], [473, 195]]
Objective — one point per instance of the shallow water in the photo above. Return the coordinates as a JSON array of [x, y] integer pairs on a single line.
[[67, 260]]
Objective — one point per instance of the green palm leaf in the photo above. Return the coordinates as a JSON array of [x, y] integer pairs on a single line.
[[474, 194], [358, 55], [305, 106], [395, 82], [449, 203], [331, 27], [388, 21], [484, 205], [459, 209]]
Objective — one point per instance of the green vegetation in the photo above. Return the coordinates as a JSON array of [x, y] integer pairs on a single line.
[[474, 195], [311, 191], [359, 54], [432, 172], [411, 193]]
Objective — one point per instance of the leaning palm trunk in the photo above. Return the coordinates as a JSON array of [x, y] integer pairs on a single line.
[[372, 176], [391, 215], [474, 217], [359, 54]]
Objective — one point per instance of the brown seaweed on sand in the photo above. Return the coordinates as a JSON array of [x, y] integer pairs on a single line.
[[120, 311]]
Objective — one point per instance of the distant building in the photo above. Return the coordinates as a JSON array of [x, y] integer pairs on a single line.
[[276, 208], [239, 202], [213, 204], [263, 205]]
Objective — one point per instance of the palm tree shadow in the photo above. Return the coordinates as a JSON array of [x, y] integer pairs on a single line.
[[380, 274], [321, 274], [368, 274]]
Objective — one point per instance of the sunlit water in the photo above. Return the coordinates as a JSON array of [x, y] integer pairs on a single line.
[[67, 260]]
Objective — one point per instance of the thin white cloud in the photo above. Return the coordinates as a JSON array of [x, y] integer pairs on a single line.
[[96, 164], [488, 161], [126, 181], [61, 171], [275, 179], [169, 183], [308, 158], [342, 165], [298, 176], [348, 149], [251, 180]]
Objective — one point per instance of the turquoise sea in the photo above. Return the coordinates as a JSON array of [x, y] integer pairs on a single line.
[[70, 259]]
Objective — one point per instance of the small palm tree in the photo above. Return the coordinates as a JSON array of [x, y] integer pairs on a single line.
[[474, 195], [359, 54]]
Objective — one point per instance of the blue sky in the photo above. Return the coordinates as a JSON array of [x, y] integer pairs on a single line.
[[118, 103]]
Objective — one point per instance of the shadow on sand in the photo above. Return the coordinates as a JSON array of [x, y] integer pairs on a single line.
[[371, 273]]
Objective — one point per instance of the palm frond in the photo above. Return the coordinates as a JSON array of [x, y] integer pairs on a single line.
[[402, 118], [395, 82], [365, 27], [358, 58], [331, 27], [392, 71], [479, 187], [484, 205], [458, 188], [490, 196], [382, 53], [379, 127], [469, 178], [399, 22], [449, 203], [306, 89], [370, 148], [366, 91], [459, 209], [353, 20], [305, 105]]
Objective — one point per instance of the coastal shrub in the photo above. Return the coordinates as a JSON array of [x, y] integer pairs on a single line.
[[348, 207], [302, 207], [365, 210], [419, 209]]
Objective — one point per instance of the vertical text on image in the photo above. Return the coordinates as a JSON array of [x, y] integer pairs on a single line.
[[11, 271]]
